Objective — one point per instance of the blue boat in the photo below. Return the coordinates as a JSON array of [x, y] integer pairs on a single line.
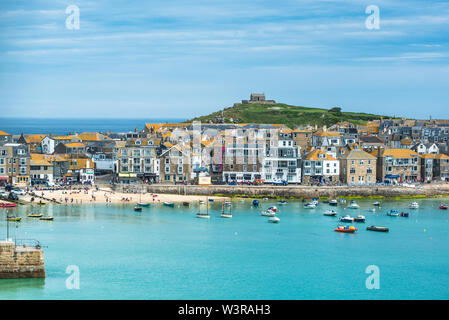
[[393, 213], [256, 203], [169, 204]]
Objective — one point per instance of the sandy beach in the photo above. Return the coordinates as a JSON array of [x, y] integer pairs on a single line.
[[108, 196]]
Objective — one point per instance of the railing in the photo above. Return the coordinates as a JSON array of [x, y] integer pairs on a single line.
[[27, 243]]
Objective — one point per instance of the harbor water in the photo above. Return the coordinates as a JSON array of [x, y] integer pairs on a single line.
[[167, 253]]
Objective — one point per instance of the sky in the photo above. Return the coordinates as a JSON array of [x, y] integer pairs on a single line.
[[181, 59]]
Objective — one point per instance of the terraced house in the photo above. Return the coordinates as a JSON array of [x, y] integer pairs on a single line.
[[320, 167], [17, 159], [41, 169], [174, 165], [401, 165], [358, 167], [441, 167]]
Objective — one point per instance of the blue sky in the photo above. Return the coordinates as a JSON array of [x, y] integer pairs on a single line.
[[181, 59]]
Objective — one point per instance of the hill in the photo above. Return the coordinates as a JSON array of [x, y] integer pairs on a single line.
[[279, 113]]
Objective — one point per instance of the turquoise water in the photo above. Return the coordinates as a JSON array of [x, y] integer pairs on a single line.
[[167, 253]]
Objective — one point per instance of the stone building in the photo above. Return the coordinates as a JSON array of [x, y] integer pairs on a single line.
[[401, 165], [358, 167], [320, 167]]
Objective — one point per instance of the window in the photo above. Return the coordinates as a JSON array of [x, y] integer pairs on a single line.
[[361, 162], [167, 161], [179, 169], [167, 170], [352, 171], [254, 167]]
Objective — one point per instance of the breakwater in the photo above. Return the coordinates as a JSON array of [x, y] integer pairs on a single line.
[[293, 191], [21, 261]]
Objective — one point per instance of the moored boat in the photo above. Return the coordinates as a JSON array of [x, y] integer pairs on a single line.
[[46, 218], [203, 215], [443, 207], [137, 208], [377, 204], [7, 205], [345, 229], [140, 204], [347, 218], [353, 205], [359, 218], [333, 202], [282, 202], [404, 214], [393, 213], [372, 210], [379, 229], [273, 208], [35, 215], [185, 204], [268, 213], [169, 204], [41, 203], [414, 205], [310, 205], [256, 203], [330, 213], [16, 219]]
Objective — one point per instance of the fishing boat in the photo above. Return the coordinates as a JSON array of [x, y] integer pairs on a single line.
[[203, 215], [404, 214], [274, 220], [345, 229], [393, 213], [282, 202], [169, 204], [46, 218], [143, 204], [444, 207], [414, 205], [377, 204], [379, 229], [310, 205], [347, 218], [353, 205], [225, 214], [7, 205], [35, 215], [16, 219], [137, 208], [268, 213], [330, 213], [333, 202], [359, 218]]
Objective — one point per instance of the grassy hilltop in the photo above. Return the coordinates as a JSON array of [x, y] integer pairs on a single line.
[[280, 113]]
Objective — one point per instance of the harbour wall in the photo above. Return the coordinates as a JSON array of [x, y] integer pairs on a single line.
[[289, 191], [20, 261]]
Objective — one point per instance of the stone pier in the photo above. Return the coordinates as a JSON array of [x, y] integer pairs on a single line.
[[21, 261]]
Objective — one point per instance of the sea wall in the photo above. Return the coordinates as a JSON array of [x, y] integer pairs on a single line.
[[289, 191], [21, 261]]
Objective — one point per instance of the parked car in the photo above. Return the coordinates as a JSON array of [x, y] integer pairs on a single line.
[[3, 194], [13, 196], [19, 191]]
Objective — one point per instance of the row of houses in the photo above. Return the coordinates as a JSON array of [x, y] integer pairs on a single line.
[[227, 153]]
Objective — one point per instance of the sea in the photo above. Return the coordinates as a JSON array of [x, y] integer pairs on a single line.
[[100, 251], [62, 126]]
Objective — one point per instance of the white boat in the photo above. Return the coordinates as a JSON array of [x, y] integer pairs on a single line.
[[268, 213], [330, 213], [353, 205], [414, 205], [273, 208], [359, 218], [333, 202], [377, 203], [342, 200], [274, 220], [203, 215], [225, 214], [315, 201], [372, 210], [310, 205], [347, 218]]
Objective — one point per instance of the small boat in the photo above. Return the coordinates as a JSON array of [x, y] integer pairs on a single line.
[[203, 215], [143, 204], [353, 205], [444, 207], [227, 203], [46, 218], [393, 213], [268, 213], [315, 201], [16, 219], [137, 208], [333, 202], [282, 202], [186, 204], [169, 204], [273, 208], [330, 213], [372, 210], [379, 229], [404, 214], [310, 205], [347, 218], [342, 200], [41, 203], [359, 218], [274, 220], [377, 204], [225, 214], [256, 203], [414, 205], [345, 229], [35, 215], [7, 205], [201, 202]]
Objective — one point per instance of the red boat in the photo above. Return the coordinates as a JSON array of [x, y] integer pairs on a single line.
[[7, 205], [346, 229], [444, 207]]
